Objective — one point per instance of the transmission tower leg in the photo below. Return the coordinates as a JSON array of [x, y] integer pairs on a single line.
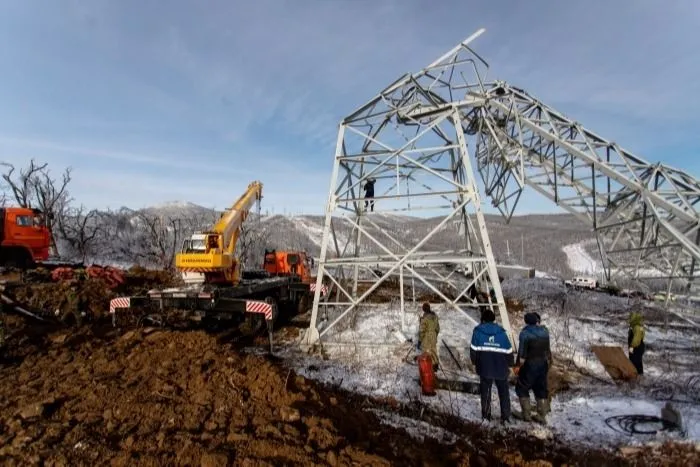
[[483, 231], [312, 335]]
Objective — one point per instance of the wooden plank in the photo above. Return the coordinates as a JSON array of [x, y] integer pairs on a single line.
[[615, 362]]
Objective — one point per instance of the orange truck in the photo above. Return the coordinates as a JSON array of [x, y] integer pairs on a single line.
[[288, 263], [25, 239]]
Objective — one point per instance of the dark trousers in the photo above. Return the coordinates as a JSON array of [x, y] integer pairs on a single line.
[[485, 385], [533, 376], [369, 201], [636, 358]]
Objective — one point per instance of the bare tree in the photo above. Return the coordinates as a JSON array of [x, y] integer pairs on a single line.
[[161, 239], [80, 230], [252, 241], [34, 187]]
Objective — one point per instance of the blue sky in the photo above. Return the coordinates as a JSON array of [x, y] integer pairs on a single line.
[[152, 101]]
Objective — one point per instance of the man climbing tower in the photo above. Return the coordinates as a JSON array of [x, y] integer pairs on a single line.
[[369, 193]]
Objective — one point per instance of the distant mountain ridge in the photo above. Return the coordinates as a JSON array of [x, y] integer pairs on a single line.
[[533, 240]]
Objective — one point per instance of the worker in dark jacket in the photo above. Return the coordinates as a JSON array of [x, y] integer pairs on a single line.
[[428, 333], [535, 355], [369, 193], [635, 341], [492, 354]]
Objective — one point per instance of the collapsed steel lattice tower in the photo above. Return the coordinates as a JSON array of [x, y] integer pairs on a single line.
[[418, 137]]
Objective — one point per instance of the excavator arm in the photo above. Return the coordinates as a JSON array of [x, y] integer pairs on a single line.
[[210, 256]]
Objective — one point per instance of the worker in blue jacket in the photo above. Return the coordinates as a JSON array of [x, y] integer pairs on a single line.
[[492, 354], [535, 354]]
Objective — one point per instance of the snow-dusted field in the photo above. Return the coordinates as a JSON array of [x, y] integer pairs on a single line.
[[373, 360]]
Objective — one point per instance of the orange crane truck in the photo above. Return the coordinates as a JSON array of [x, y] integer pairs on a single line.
[[216, 288]]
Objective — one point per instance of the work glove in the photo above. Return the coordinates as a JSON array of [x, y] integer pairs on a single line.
[[631, 349]]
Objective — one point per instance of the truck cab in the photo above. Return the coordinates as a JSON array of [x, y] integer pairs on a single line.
[[288, 263], [24, 237]]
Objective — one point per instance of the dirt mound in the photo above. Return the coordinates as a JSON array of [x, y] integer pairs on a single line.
[[139, 280], [93, 295], [157, 397], [165, 398]]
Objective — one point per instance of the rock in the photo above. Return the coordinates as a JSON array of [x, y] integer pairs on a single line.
[[289, 414], [629, 450], [332, 458], [291, 431], [236, 437], [334, 401], [218, 459], [59, 339], [128, 335], [32, 411], [129, 442]]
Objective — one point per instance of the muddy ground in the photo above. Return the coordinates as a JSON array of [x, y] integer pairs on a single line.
[[99, 396]]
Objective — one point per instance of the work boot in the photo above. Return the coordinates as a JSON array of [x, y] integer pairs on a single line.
[[526, 408], [542, 409]]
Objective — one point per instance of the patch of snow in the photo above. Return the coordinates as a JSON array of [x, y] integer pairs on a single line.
[[387, 368], [177, 205], [417, 429], [579, 260], [314, 231]]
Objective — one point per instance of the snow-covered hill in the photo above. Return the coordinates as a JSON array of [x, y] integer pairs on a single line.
[[537, 241]]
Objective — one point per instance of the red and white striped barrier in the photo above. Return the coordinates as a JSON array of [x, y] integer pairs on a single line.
[[312, 288], [119, 302], [259, 307]]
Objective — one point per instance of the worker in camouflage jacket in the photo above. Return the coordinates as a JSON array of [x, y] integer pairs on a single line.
[[71, 305], [492, 354], [533, 362], [635, 341], [428, 333]]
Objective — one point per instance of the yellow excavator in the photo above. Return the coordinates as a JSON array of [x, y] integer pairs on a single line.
[[210, 257]]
